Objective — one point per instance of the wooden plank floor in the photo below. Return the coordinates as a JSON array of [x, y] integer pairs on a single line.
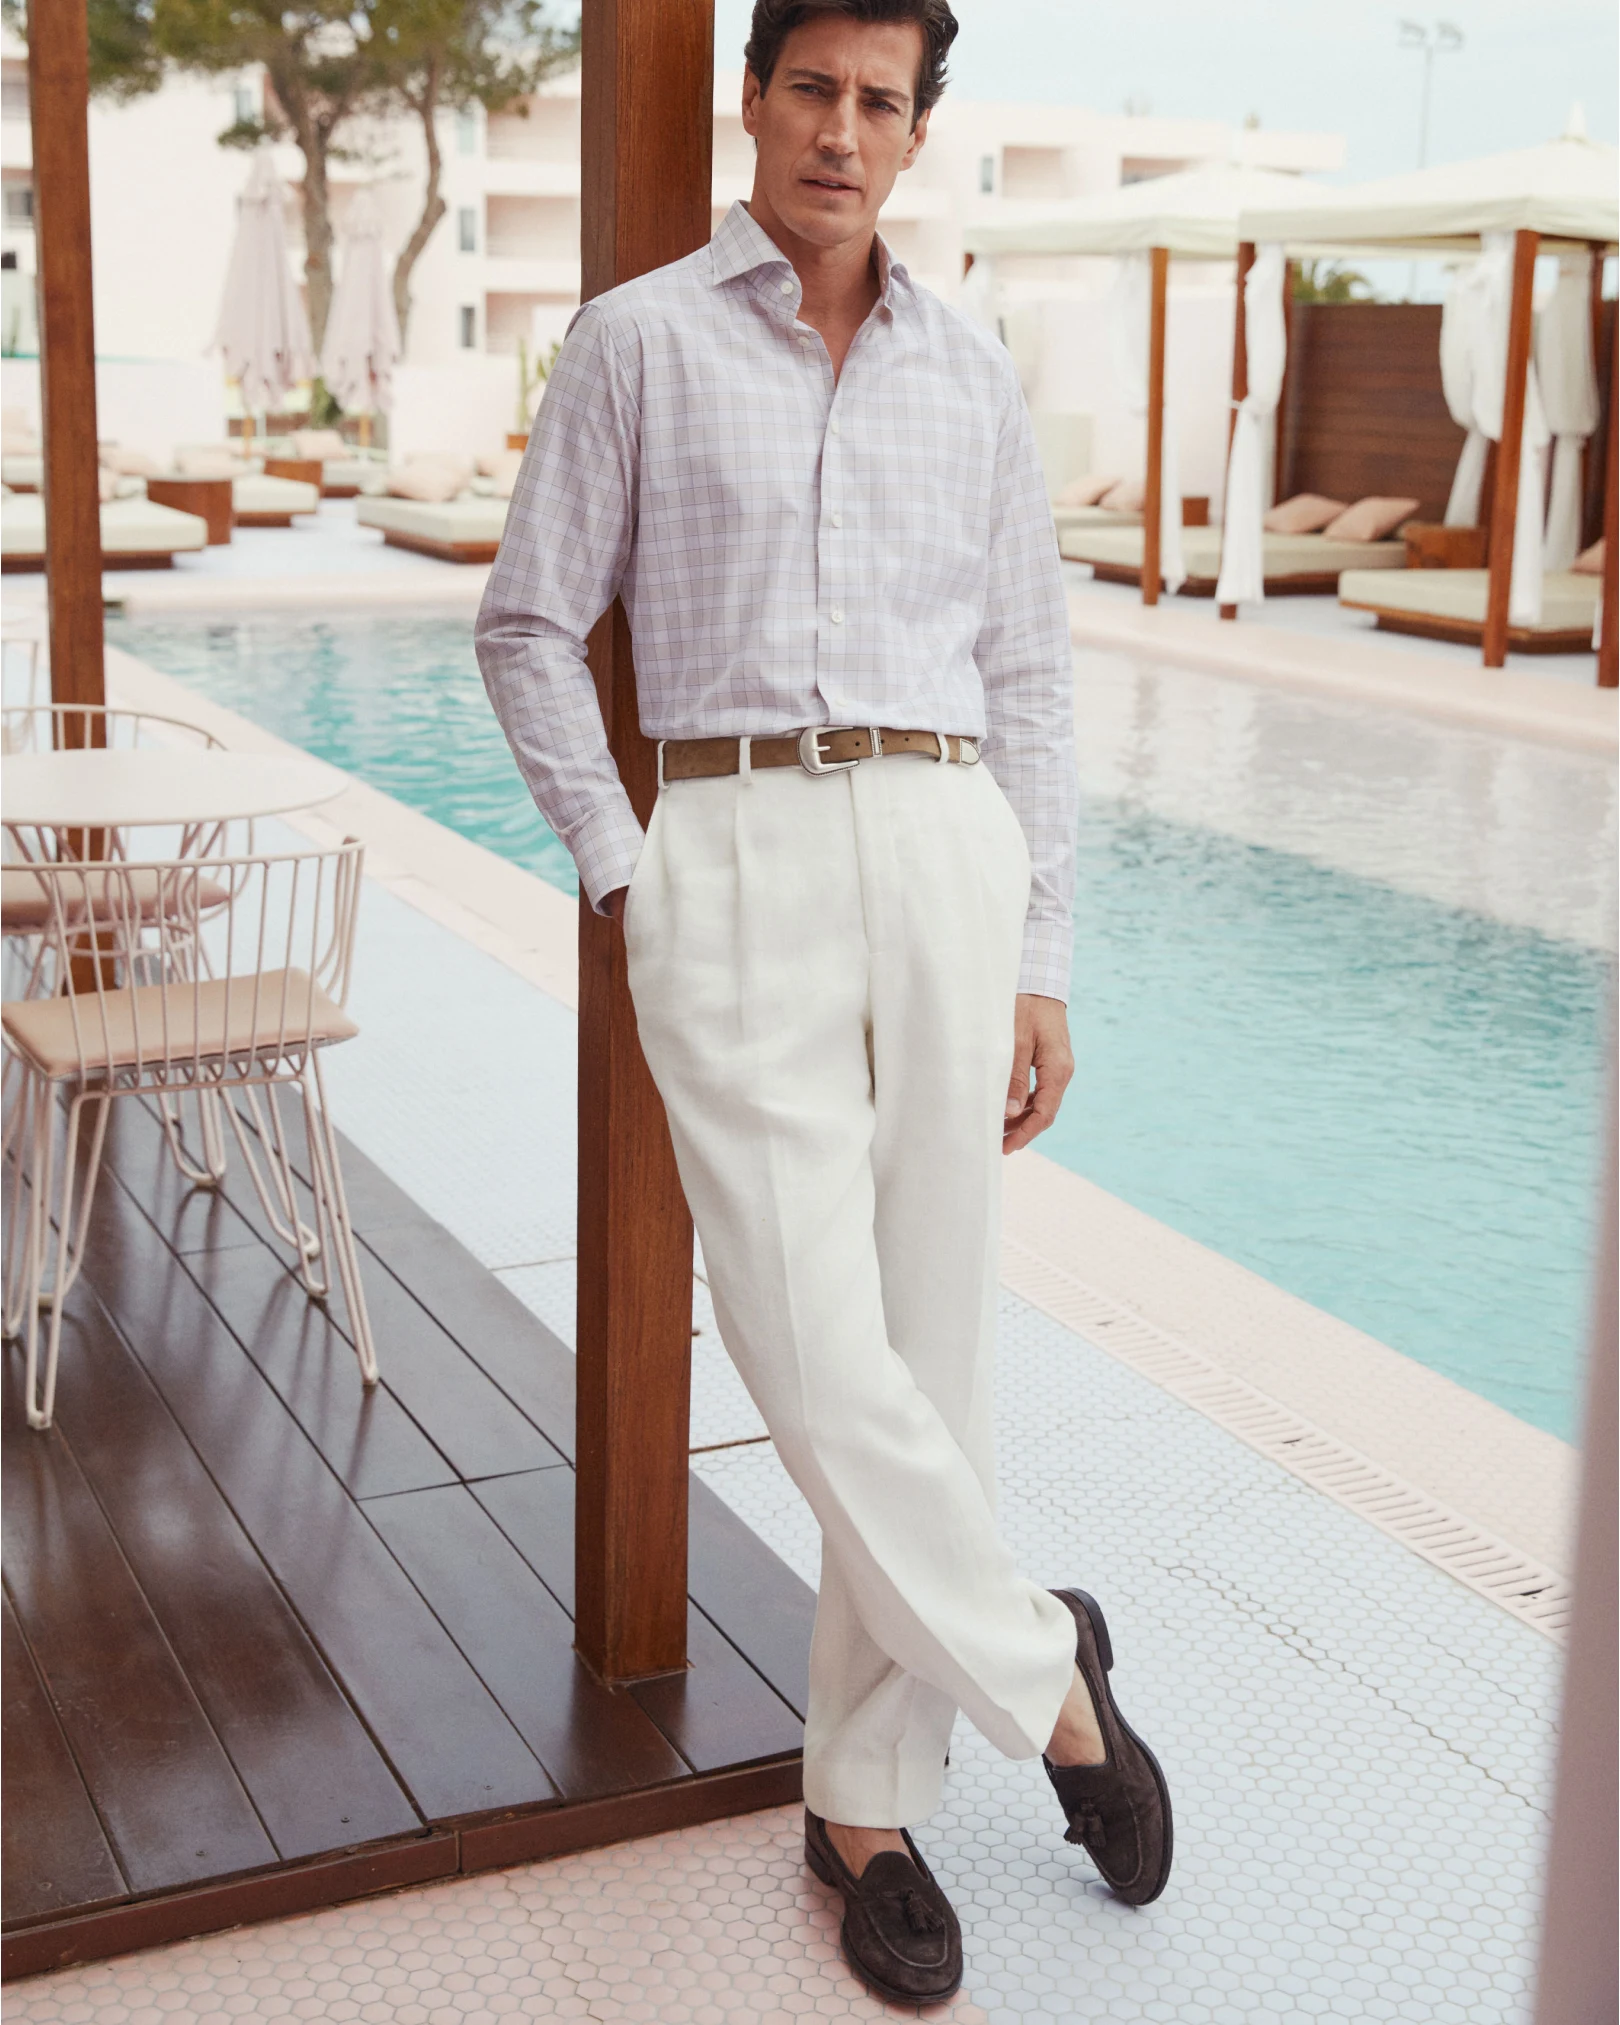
[[271, 1642]]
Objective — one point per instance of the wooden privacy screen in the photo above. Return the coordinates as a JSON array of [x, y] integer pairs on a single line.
[[1365, 411]]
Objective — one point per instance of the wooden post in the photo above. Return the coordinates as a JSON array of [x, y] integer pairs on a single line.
[[645, 145], [1240, 375], [1279, 420], [1504, 507], [1609, 640], [59, 92], [1153, 497]]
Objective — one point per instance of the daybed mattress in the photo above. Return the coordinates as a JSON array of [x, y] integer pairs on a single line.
[[128, 527], [1568, 601], [453, 520], [1287, 555], [1093, 516], [259, 494], [25, 470]]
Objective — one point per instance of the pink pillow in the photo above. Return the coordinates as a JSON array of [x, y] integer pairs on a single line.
[[1128, 496], [322, 443], [127, 463], [1370, 519], [504, 476], [1590, 560], [428, 480], [206, 463], [1305, 513], [1084, 491]]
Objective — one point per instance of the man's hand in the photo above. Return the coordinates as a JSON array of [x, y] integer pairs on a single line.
[[613, 904], [1041, 1043]]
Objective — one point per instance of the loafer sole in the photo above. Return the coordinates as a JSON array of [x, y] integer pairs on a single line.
[[1105, 1653], [876, 1984]]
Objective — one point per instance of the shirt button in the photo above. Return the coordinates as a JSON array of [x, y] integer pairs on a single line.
[[805, 338], [786, 287], [837, 615], [833, 430], [838, 520]]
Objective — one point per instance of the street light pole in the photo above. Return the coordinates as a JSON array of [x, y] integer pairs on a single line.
[[1442, 38]]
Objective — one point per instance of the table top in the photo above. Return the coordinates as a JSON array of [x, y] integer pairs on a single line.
[[159, 785]]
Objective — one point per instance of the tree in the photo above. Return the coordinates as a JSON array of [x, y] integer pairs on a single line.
[[435, 56], [1326, 281]]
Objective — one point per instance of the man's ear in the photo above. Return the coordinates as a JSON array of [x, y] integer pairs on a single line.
[[919, 134], [753, 92]]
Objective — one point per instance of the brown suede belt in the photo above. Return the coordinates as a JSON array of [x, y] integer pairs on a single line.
[[829, 749]]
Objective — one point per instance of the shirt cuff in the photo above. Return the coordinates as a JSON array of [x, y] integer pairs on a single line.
[[1048, 955], [605, 848]]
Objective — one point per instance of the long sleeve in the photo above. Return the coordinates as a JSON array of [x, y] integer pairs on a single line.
[[561, 560], [1026, 665]]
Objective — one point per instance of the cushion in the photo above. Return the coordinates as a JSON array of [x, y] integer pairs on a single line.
[[431, 484], [1305, 513], [269, 1015], [1083, 491], [198, 462], [1370, 519], [321, 443], [25, 900], [105, 483], [126, 463], [507, 466], [1128, 496], [1589, 563]]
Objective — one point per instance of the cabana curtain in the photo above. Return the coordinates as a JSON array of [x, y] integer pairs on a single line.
[[1243, 567], [1131, 307], [1461, 321], [1490, 388], [1569, 391]]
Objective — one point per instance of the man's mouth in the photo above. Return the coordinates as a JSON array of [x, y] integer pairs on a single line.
[[829, 183]]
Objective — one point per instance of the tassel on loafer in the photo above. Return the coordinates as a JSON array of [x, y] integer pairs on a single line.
[[900, 1933], [1118, 1811]]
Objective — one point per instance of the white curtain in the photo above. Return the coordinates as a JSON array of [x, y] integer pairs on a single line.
[[1569, 390], [1130, 330], [1243, 553], [1466, 306], [980, 296], [1489, 393]]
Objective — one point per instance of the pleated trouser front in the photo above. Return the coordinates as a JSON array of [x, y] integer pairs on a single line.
[[824, 972]]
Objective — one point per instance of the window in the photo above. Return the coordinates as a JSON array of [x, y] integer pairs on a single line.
[[469, 326], [467, 229], [19, 203], [467, 130], [246, 101], [987, 174]]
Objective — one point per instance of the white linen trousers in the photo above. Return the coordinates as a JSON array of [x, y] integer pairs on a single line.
[[824, 972]]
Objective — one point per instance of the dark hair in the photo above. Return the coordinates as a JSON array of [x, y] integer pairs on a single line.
[[775, 20]]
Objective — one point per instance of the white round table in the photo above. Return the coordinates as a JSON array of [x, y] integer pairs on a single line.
[[158, 786]]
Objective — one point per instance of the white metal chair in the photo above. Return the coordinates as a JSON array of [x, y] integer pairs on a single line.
[[242, 1002]]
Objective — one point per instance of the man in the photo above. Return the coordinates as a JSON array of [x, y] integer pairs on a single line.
[[816, 489]]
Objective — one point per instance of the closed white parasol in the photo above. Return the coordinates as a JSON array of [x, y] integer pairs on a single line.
[[263, 330], [362, 332]]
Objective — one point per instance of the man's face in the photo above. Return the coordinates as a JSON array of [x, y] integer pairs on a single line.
[[837, 124]]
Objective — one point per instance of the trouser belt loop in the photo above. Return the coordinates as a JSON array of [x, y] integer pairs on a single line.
[[745, 760]]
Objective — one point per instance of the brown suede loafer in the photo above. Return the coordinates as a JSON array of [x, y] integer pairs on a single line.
[[900, 1935], [1118, 1811]]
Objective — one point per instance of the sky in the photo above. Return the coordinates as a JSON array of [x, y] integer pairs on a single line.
[[1333, 68]]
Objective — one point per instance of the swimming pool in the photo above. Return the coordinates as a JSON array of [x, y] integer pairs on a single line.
[[1339, 979]]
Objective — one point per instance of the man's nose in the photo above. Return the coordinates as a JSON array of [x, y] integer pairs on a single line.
[[838, 129]]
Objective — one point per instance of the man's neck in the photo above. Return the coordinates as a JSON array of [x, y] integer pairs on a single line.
[[839, 284]]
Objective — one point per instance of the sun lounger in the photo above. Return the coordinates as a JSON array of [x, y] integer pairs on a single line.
[[1450, 605], [261, 501], [1066, 517], [24, 472], [1295, 563], [466, 530], [135, 533]]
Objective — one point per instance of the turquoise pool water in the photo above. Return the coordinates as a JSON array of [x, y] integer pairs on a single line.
[[1387, 1105]]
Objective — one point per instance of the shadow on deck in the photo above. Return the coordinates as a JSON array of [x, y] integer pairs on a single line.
[[272, 1643]]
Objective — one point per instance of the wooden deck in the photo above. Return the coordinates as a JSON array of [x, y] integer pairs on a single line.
[[271, 1643]]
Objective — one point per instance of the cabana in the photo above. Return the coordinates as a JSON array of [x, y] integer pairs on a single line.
[[1189, 216], [1506, 209]]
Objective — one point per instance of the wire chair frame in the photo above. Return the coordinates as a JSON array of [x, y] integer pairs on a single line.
[[241, 1001]]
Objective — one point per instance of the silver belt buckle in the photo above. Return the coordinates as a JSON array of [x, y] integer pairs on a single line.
[[810, 749]]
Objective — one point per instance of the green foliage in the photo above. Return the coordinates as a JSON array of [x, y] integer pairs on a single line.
[[325, 412], [1327, 281], [455, 53]]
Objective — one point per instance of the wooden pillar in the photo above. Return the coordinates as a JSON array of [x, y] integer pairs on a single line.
[[1609, 639], [647, 123], [1279, 421], [1504, 508], [59, 91], [1240, 373], [1153, 498]]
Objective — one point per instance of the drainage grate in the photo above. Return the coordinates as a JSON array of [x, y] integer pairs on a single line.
[[1530, 1592]]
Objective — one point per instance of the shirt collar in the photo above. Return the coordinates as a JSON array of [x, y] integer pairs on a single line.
[[741, 246]]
